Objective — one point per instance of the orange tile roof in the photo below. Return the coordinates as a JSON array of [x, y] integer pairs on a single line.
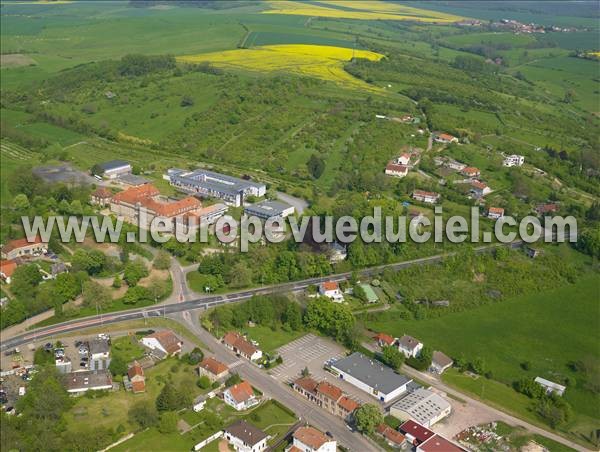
[[171, 209], [134, 195], [135, 370], [391, 434], [446, 136], [396, 167], [138, 386], [307, 383], [330, 285], [348, 404], [213, 366], [168, 340], [470, 170], [498, 210], [236, 340], [311, 437], [241, 391], [20, 243], [382, 337], [479, 185], [7, 267], [329, 390]]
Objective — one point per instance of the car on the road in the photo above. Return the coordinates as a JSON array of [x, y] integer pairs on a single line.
[[14, 351], [82, 364], [328, 433], [48, 346]]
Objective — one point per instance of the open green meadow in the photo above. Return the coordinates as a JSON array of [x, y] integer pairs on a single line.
[[548, 330]]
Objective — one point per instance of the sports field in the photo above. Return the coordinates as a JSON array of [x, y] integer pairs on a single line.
[[324, 62]]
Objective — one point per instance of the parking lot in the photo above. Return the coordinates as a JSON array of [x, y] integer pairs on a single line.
[[312, 351]]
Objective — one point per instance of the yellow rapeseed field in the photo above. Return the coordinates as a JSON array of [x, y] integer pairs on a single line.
[[324, 62], [371, 10]]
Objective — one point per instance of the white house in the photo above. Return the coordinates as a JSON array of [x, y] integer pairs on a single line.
[[396, 170], [410, 346], [428, 197], [240, 345], [479, 189], [99, 351], [550, 386], [444, 138], [424, 406], [309, 439], [513, 160], [240, 396], [331, 289], [440, 362], [82, 381], [404, 159], [245, 437], [163, 342], [371, 376]]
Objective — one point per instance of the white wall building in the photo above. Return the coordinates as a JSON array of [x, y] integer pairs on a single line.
[[513, 160], [371, 376], [410, 346], [331, 289], [245, 437], [423, 406], [309, 439]]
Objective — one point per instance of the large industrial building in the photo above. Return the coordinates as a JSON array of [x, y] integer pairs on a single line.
[[371, 376], [424, 406], [201, 182]]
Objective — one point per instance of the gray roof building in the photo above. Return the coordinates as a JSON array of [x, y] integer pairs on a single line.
[[113, 165], [371, 376], [247, 433], [208, 183], [87, 380], [269, 209], [99, 346], [424, 406]]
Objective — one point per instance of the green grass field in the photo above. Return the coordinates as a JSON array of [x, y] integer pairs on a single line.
[[547, 329]]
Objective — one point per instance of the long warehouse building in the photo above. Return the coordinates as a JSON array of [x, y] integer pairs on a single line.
[[201, 182]]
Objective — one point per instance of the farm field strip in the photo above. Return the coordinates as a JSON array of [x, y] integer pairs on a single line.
[[363, 10], [323, 62]]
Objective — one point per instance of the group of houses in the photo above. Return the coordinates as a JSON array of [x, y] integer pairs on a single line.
[[327, 396], [411, 348], [96, 352], [246, 437], [22, 251]]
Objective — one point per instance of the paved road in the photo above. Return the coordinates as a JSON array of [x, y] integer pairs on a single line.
[[206, 302], [271, 387]]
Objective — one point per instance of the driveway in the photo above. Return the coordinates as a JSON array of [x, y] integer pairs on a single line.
[[298, 203]]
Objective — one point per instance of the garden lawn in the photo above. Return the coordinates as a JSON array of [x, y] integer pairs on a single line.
[[269, 340]]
